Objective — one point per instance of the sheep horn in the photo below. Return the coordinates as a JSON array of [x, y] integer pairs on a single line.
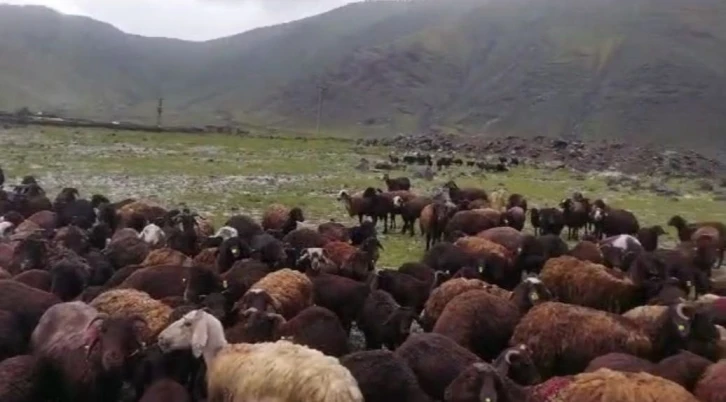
[[509, 354], [679, 311]]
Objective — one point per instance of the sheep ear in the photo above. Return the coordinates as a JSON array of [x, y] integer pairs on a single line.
[[199, 338]]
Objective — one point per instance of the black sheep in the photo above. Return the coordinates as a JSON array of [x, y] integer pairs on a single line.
[[345, 297], [551, 221], [447, 257], [231, 251], [383, 377], [383, 321], [398, 183]]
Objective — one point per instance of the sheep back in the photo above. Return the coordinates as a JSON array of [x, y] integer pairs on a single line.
[[127, 251], [621, 362], [339, 252], [28, 304], [442, 295], [608, 385], [481, 248], [436, 360], [129, 303], [18, 379], [479, 321], [383, 377], [275, 216], [561, 348], [685, 369], [291, 291], [165, 256], [279, 371], [317, 328], [586, 284], [712, 385]]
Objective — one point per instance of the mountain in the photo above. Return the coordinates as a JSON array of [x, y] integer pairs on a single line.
[[649, 70]]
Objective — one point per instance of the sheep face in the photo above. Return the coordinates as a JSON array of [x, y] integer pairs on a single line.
[[152, 234], [517, 364], [598, 214], [116, 339], [531, 292], [190, 331], [31, 253], [313, 258], [680, 317], [677, 222], [260, 326], [296, 215], [256, 299], [479, 382]]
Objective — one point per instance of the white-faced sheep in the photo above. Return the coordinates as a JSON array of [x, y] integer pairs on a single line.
[[153, 235], [265, 371]]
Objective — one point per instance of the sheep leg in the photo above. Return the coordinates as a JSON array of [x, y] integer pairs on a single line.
[[385, 223]]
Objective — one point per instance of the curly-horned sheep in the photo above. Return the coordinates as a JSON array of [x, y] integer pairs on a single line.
[[436, 360], [285, 292], [134, 303], [590, 285], [383, 377], [275, 371], [82, 353], [383, 321], [561, 348], [479, 321], [677, 327], [712, 385]]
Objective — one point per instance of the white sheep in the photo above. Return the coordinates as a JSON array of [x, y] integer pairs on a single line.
[[269, 371], [153, 235]]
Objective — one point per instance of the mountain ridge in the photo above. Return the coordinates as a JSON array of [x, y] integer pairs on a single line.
[[636, 70]]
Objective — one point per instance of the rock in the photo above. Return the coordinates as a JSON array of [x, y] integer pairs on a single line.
[[705, 185], [363, 165]]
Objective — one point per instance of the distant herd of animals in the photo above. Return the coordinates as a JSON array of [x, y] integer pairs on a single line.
[[501, 164], [126, 300]]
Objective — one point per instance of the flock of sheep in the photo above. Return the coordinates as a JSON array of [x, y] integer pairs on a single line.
[[125, 300]]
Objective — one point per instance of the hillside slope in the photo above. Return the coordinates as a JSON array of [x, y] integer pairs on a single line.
[[645, 69]]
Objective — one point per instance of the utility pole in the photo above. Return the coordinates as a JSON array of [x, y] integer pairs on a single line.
[[321, 92], [159, 112]]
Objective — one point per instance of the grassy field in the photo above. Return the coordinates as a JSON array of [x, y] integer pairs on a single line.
[[221, 175]]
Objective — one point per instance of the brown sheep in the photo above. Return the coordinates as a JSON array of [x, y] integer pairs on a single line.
[[686, 230], [506, 236], [606, 385], [26, 303], [46, 220], [621, 362], [442, 295], [242, 276], [127, 251], [173, 281], [35, 278], [586, 284], [587, 251], [457, 194], [436, 360], [500, 266], [685, 369], [147, 210], [207, 258], [303, 238], [19, 379], [130, 303], [469, 223], [411, 211], [275, 217], [334, 231], [515, 218], [479, 321], [355, 205], [285, 292], [166, 256], [434, 220], [560, 347], [339, 252], [648, 237], [712, 386]]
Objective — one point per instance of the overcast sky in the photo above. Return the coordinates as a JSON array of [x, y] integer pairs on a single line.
[[189, 19]]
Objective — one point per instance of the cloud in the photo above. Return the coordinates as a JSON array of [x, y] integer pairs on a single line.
[[189, 19]]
